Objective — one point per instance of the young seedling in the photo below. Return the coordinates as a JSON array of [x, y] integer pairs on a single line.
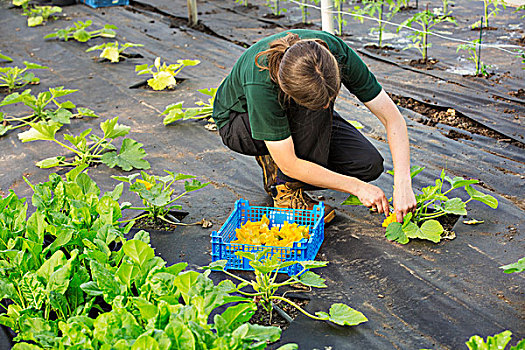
[[39, 14], [487, 12], [265, 286], [15, 77], [474, 56], [100, 150], [163, 75], [275, 7], [80, 33], [382, 10], [157, 194], [446, 4], [339, 16], [60, 112], [426, 21], [432, 203], [304, 10], [176, 112], [112, 51], [5, 57]]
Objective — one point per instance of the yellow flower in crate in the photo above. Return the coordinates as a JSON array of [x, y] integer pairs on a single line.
[[390, 219]]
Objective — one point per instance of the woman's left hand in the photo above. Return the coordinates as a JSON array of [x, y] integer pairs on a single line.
[[404, 199]]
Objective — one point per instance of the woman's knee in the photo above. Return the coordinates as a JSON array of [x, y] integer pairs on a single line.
[[373, 167]]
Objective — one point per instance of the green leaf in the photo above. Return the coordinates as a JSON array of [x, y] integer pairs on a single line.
[[82, 35], [138, 251], [352, 200], [59, 280], [112, 129], [5, 58], [218, 265], [111, 53], [161, 80], [412, 230], [311, 264], [479, 196], [455, 206], [194, 185], [50, 162], [312, 279], [356, 124], [91, 288], [457, 182], [496, 342], [344, 315], [58, 259], [32, 290], [129, 157], [394, 232], [145, 342], [289, 346], [35, 21], [235, 316], [431, 230], [40, 131], [251, 332], [518, 266]]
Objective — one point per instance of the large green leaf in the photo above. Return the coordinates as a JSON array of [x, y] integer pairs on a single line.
[[253, 332], [32, 290], [457, 182], [312, 279], [344, 315], [311, 264], [138, 251], [40, 131], [431, 230], [50, 162], [233, 317], [57, 260], [59, 279], [129, 157], [455, 206], [482, 197], [194, 185], [394, 232], [161, 80], [145, 342], [352, 200], [496, 342], [180, 335]]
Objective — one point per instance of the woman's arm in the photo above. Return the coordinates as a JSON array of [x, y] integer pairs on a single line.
[[386, 111], [283, 154]]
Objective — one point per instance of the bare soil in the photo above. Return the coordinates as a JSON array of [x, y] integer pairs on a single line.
[[519, 94], [262, 317], [427, 64], [148, 223], [449, 117]]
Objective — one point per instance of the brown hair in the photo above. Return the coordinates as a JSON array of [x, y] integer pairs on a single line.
[[304, 69]]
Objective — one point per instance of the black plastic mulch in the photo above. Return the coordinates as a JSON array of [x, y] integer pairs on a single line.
[[420, 295]]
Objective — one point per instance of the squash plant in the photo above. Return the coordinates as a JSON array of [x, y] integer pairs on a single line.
[[432, 203], [41, 111], [175, 111], [39, 14], [495, 342], [15, 77], [100, 150], [80, 33], [518, 266], [112, 51], [157, 194], [265, 288], [163, 74]]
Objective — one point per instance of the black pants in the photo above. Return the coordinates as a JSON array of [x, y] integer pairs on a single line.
[[322, 137]]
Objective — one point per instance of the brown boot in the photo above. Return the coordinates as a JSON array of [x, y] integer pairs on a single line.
[[291, 195], [269, 169]]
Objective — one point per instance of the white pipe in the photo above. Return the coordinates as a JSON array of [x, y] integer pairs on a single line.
[[327, 19]]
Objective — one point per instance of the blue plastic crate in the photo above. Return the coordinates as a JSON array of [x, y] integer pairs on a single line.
[[303, 250], [104, 3]]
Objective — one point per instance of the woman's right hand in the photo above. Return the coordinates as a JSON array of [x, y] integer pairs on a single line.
[[373, 197]]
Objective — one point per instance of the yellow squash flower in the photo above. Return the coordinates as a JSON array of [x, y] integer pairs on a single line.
[[148, 185], [391, 218]]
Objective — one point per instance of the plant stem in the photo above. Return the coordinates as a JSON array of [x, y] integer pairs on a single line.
[[70, 148], [433, 216], [236, 277], [137, 218], [298, 308], [478, 62]]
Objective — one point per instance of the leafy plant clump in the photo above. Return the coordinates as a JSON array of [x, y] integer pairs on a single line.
[[432, 203], [80, 33], [15, 77], [472, 50], [112, 51], [265, 288], [495, 342], [163, 74], [39, 14], [60, 112], [69, 277], [175, 111], [382, 10], [157, 194], [426, 21], [99, 150]]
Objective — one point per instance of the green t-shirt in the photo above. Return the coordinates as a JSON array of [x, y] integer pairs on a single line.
[[249, 89]]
